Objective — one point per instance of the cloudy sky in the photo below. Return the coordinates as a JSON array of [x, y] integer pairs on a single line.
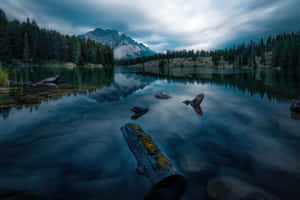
[[165, 24]]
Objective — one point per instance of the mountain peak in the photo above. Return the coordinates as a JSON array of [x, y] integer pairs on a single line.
[[100, 30], [124, 46]]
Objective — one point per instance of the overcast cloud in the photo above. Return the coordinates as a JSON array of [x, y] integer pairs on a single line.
[[165, 24]]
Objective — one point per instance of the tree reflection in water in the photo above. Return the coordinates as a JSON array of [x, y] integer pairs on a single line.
[[75, 81]]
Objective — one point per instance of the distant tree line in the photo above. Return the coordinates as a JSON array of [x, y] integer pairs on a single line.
[[26, 42], [283, 50]]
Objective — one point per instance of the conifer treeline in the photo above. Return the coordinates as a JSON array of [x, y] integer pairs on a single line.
[[26, 42], [285, 50]]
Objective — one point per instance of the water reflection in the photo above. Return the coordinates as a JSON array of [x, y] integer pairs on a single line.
[[122, 87], [243, 147], [273, 84], [73, 82]]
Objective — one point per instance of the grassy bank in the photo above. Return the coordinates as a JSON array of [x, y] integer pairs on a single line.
[[67, 65], [3, 77], [204, 62]]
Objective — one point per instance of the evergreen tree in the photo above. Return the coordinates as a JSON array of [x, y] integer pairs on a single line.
[[4, 45], [283, 55], [29, 43], [276, 54], [254, 63], [215, 59], [26, 52], [298, 65], [240, 61], [263, 59], [77, 52]]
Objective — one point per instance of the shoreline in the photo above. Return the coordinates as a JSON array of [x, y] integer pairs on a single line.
[[67, 65]]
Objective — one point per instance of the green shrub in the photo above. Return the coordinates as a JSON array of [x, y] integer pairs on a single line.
[[3, 77]]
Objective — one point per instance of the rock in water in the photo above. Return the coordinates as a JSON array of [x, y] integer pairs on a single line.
[[167, 182], [295, 107], [162, 95]]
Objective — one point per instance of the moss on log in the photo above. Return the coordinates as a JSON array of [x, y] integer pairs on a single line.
[[152, 162]]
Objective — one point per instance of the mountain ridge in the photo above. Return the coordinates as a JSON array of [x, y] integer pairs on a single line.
[[124, 46]]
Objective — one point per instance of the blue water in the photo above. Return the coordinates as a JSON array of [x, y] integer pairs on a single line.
[[72, 147]]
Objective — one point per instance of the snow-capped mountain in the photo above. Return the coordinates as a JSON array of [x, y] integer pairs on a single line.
[[124, 47]]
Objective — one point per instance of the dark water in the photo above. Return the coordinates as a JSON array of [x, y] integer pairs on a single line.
[[70, 145]]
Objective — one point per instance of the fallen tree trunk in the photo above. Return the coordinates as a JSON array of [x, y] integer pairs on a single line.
[[48, 81], [168, 182]]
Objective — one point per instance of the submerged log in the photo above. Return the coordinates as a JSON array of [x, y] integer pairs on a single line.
[[295, 107], [138, 112], [162, 95], [48, 81], [168, 182], [137, 109]]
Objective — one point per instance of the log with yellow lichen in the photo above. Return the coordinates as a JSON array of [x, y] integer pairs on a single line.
[[152, 162]]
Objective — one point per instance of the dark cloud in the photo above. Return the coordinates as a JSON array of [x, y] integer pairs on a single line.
[[165, 25], [285, 18], [74, 13], [262, 4]]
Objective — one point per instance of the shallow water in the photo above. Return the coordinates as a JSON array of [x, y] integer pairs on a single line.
[[71, 147]]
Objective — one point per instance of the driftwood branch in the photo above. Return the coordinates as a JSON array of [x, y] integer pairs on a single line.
[[48, 81], [196, 101]]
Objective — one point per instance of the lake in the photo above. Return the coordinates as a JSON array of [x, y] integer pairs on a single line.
[[66, 143]]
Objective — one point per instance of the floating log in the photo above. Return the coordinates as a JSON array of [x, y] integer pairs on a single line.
[[48, 81], [162, 95], [167, 182], [138, 112], [295, 107]]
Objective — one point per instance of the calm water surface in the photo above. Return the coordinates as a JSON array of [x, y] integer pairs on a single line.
[[71, 146]]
